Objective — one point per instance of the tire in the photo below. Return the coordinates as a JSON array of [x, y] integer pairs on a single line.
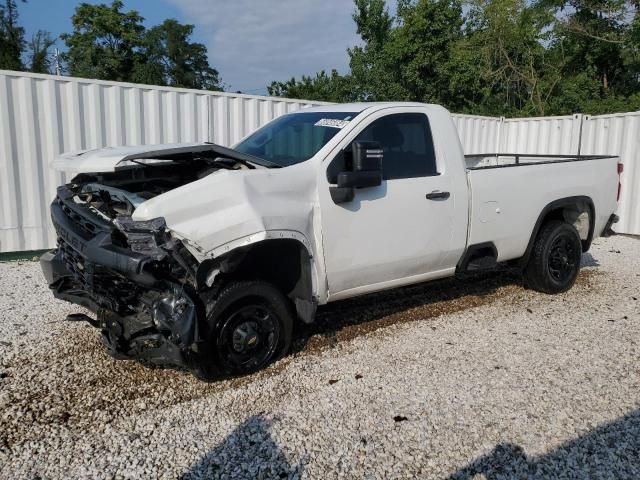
[[555, 260], [249, 325]]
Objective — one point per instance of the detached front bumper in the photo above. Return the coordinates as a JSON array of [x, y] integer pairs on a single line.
[[143, 311], [61, 282], [161, 329]]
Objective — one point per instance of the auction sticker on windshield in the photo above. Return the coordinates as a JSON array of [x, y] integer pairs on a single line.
[[331, 123]]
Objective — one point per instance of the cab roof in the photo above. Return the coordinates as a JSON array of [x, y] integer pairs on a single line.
[[360, 107]]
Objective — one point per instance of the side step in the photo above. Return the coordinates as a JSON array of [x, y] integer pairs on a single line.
[[478, 257], [482, 263]]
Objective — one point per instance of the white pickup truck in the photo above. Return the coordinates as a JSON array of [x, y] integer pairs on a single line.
[[203, 257]]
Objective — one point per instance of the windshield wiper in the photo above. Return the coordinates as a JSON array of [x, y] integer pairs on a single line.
[[160, 163], [229, 163], [262, 161], [245, 158]]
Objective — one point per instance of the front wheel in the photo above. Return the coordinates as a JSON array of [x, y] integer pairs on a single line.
[[555, 260], [249, 326]]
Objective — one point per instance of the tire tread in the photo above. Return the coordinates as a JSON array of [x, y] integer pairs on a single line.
[[229, 296], [536, 274]]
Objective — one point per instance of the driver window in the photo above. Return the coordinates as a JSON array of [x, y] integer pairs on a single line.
[[407, 144]]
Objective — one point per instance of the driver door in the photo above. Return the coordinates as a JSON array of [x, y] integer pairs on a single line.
[[391, 234]]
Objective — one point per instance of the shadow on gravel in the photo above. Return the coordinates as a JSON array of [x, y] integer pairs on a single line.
[[610, 451], [589, 261], [347, 319], [247, 452]]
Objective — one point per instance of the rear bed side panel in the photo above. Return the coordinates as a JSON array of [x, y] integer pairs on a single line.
[[507, 202]]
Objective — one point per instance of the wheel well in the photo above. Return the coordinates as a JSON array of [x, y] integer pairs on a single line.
[[578, 215], [577, 211], [285, 263]]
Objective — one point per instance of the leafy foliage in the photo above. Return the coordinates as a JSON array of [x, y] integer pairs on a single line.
[[108, 43], [12, 41], [40, 60], [13, 46], [330, 88], [170, 59], [111, 44], [105, 42], [493, 57]]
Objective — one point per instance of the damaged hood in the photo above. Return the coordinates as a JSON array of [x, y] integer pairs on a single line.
[[222, 207], [231, 205], [110, 159]]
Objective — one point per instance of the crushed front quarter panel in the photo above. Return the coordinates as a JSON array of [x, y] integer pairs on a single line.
[[229, 209]]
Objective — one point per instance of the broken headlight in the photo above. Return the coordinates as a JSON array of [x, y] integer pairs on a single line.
[[145, 237]]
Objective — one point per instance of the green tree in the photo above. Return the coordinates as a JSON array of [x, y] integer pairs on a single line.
[[401, 58], [323, 87], [12, 41], [421, 48], [171, 59], [13, 46], [370, 65], [39, 58], [602, 68], [468, 91], [593, 34], [519, 73], [105, 42], [110, 44], [494, 57]]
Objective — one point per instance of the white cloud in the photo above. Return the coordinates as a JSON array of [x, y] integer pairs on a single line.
[[252, 42]]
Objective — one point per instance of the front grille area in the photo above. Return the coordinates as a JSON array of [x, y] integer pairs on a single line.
[[108, 289], [85, 225], [75, 263]]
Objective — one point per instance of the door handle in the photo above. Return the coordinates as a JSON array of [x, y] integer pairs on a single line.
[[437, 194]]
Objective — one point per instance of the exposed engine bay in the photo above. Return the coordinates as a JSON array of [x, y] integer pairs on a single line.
[[119, 193], [140, 281]]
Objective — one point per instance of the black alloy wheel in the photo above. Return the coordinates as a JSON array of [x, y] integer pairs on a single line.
[[554, 263], [562, 258], [249, 337], [249, 326]]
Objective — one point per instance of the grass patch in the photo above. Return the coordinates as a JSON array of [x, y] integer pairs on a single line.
[[14, 256]]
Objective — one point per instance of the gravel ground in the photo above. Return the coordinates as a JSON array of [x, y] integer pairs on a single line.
[[453, 379]]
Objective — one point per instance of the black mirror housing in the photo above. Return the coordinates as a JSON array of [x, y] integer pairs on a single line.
[[367, 157], [364, 171], [359, 179]]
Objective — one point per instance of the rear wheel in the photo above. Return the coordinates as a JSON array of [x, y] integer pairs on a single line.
[[555, 260], [249, 325]]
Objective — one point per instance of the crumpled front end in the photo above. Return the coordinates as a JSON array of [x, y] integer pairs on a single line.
[[137, 279]]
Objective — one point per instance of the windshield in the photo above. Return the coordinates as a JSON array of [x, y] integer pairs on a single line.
[[294, 138]]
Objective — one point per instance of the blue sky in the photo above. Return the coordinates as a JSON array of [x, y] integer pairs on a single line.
[[250, 42]]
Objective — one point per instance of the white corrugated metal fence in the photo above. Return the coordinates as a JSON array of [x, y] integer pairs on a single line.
[[619, 134], [42, 116], [616, 134], [479, 134]]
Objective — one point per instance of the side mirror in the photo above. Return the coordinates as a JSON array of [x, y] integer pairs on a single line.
[[365, 171]]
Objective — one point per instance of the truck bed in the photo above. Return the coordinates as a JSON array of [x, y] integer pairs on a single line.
[[508, 192]]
